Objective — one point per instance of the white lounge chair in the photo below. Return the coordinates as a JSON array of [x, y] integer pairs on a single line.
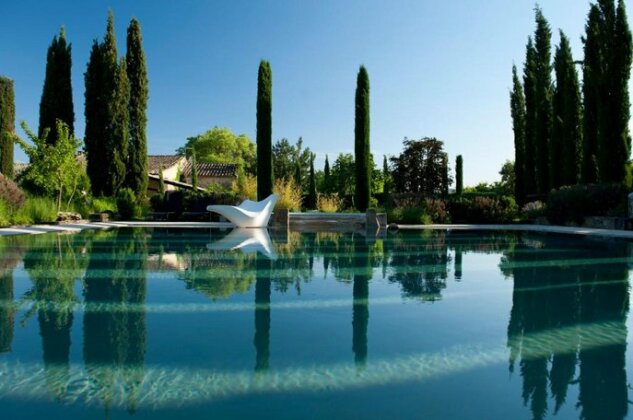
[[249, 214], [246, 240]]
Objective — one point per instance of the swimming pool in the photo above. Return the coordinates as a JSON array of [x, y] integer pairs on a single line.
[[158, 323]]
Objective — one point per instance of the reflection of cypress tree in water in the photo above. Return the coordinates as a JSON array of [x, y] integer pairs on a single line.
[[360, 309], [262, 314], [547, 298], [458, 264], [116, 339], [7, 313]]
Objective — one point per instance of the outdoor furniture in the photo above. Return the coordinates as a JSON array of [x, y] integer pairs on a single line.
[[249, 214]]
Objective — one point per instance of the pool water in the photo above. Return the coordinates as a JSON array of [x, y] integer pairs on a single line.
[[157, 323]]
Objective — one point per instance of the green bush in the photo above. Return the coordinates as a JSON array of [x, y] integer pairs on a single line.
[[5, 214], [126, 204], [570, 205], [35, 210], [482, 209], [409, 216], [157, 202]]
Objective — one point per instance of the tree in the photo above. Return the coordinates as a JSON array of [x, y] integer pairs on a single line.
[[54, 169], [421, 168], [386, 174], [137, 108], [459, 175], [507, 186], [57, 95], [291, 161], [311, 202], [161, 182], [567, 124], [194, 172], [7, 126], [361, 141], [543, 101], [591, 97], [221, 145], [529, 88], [327, 186], [264, 131], [343, 174], [117, 133], [517, 106]]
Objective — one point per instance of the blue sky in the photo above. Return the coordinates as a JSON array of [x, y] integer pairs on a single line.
[[438, 69]]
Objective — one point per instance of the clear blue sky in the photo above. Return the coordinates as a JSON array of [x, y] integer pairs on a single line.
[[437, 68]]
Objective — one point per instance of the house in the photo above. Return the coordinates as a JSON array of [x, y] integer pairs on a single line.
[[177, 173]]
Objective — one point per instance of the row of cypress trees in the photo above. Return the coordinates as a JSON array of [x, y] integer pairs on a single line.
[[115, 109], [361, 140], [562, 137]]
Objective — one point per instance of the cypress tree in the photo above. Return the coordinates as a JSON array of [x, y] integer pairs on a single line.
[[312, 191], [327, 181], [139, 93], [459, 175], [117, 146], [592, 74], [386, 177], [7, 126], [361, 141], [567, 128], [194, 171], [297, 175], [517, 106], [529, 87], [94, 115], [57, 95], [264, 131], [445, 180], [543, 99], [161, 182]]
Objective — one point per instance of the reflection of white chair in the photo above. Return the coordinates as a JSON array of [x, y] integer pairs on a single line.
[[249, 214], [246, 240]]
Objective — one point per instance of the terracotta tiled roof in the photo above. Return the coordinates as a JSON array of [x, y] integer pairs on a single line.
[[215, 170], [166, 161]]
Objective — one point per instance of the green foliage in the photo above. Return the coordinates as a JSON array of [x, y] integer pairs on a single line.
[[57, 96], [221, 145], [517, 107], [422, 167], [291, 161], [571, 204], [161, 182], [386, 176], [361, 142], [529, 147], [264, 131], [481, 209], [459, 174], [507, 186], [288, 193], [7, 126], [409, 216], [157, 202], [194, 172], [117, 133], [591, 96], [102, 204], [5, 214], [343, 174], [327, 186], [35, 210], [137, 178], [245, 186], [329, 203], [311, 201], [567, 123], [54, 170], [126, 204]]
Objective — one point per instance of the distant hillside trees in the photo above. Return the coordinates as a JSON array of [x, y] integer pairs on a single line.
[[57, 95]]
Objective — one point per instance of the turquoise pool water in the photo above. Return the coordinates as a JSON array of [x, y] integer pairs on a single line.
[[134, 324]]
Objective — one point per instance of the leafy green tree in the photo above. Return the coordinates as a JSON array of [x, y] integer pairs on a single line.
[[137, 108], [517, 106], [291, 161], [57, 95], [591, 96], [311, 202], [567, 124], [54, 169], [459, 175], [221, 145], [7, 126], [421, 168], [361, 141], [529, 88], [543, 101], [343, 174], [264, 131], [507, 186]]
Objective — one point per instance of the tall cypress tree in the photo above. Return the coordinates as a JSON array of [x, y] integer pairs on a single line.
[[459, 174], [118, 131], [517, 107], [194, 171], [57, 95], [327, 181], [312, 190], [386, 175], [567, 127], [592, 75], [543, 99], [139, 93], [529, 87], [264, 131], [7, 126], [361, 141]]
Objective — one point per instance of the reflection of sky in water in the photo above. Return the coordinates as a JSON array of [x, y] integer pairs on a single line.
[[433, 324]]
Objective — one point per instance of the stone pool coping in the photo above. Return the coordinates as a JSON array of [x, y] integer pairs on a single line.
[[78, 227]]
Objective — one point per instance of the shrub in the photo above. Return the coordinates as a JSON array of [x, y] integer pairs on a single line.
[[157, 202], [481, 209], [329, 203], [409, 215], [571, 204], [10, 193], [36, 210], [126, 204], [5, 214], [104, 204], [435, 209], [534, 209], [289, 195], [245, 186]]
